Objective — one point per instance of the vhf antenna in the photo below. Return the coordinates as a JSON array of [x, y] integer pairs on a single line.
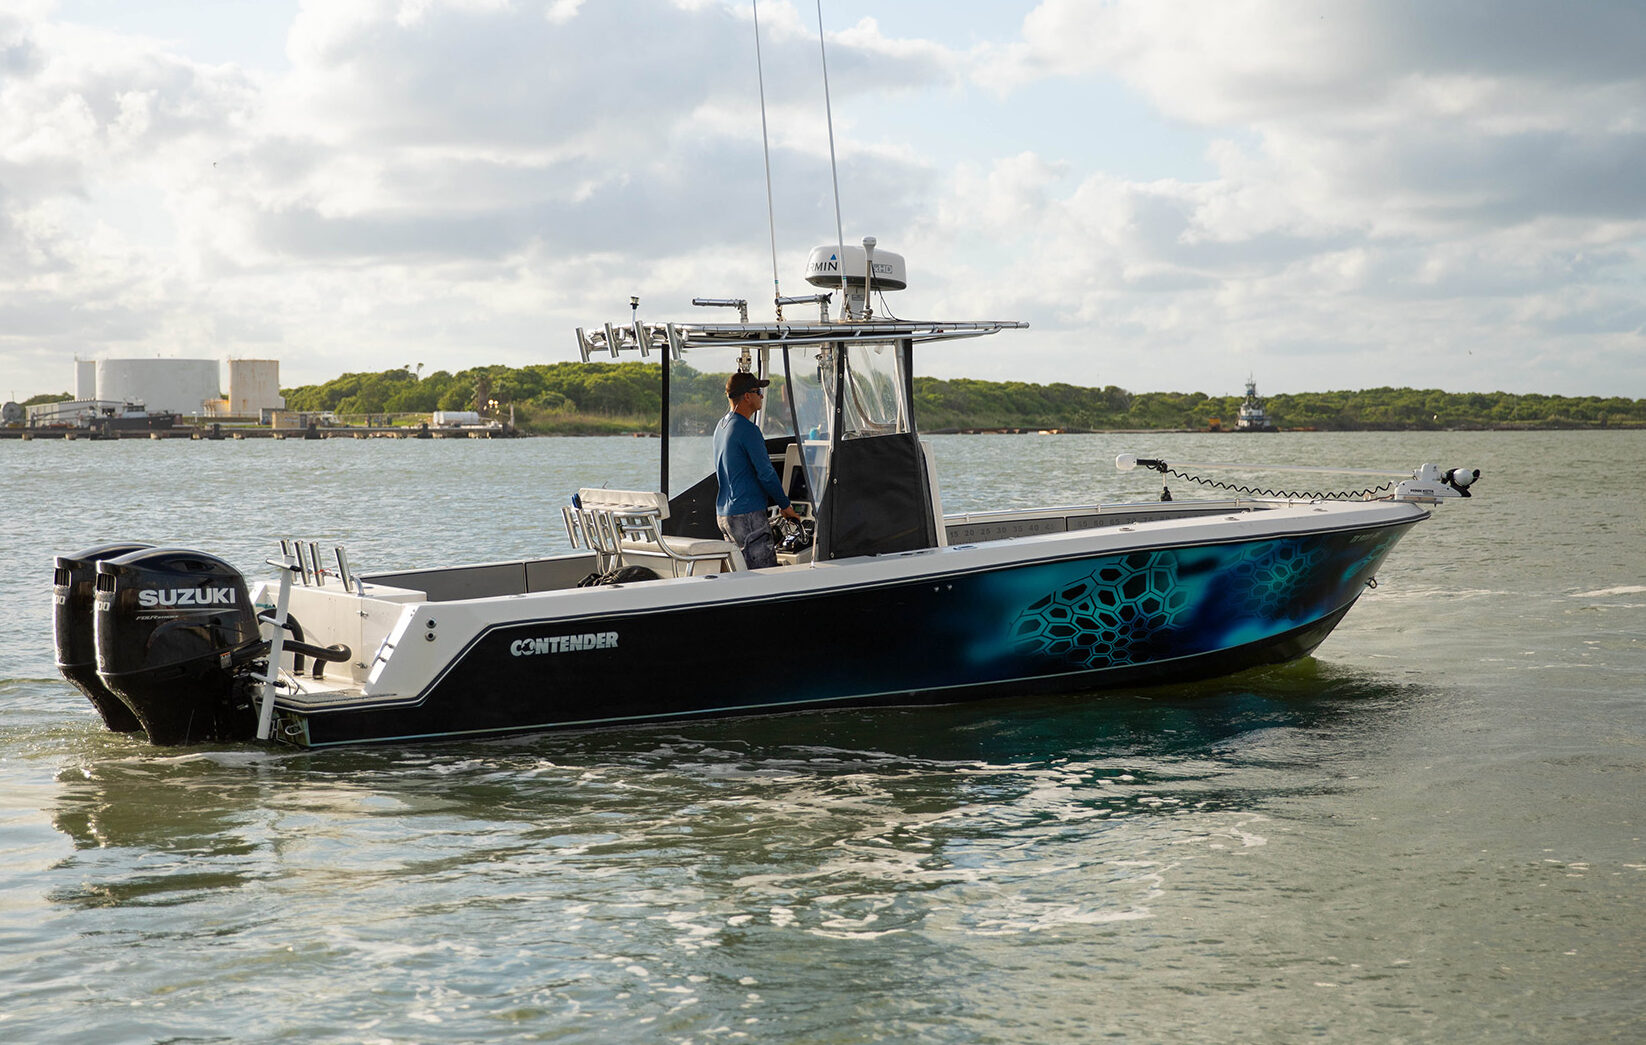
[[828, 110], [766, 149]]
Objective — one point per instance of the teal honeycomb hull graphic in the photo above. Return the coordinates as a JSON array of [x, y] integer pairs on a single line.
[[1100, 618], [1132, 608]]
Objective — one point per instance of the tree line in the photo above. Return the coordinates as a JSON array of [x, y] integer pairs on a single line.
[[576, 397]]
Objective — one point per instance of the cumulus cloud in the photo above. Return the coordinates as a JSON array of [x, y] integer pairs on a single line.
[[476, 173], [1392, 117], [1418, 180]]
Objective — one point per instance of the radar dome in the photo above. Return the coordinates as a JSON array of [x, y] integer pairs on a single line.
[[823, 268]]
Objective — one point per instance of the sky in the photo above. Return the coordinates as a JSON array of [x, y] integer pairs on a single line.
[[1174, 195]]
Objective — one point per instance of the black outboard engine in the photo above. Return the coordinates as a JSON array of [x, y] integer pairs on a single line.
[[73, 585], [177, 638]]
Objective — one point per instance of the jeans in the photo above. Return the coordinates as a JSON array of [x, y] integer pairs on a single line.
[[750, 532]]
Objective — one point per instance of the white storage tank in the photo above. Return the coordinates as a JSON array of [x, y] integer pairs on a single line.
[[180, 386], [254, 386], [85, 378]]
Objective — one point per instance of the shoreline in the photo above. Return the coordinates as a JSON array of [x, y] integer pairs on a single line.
[[313, 435]]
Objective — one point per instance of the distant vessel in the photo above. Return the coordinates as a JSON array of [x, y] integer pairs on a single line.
[[1253, 418], [105, 415]]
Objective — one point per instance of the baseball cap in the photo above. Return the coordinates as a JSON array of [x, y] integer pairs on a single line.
[[742, 382]]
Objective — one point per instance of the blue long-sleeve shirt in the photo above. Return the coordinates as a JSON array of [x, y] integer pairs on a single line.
[[748, 482]]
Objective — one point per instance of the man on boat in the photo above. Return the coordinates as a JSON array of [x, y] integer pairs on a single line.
[[748, 482]]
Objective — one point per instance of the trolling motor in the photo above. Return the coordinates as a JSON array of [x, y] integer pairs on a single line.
[[1460, 479], [1429, 484]]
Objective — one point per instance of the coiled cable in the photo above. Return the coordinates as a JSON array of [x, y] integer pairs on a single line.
[[1367, 494]]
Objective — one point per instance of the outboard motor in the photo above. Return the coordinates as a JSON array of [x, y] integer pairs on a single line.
[[73, 585], [177, 636]]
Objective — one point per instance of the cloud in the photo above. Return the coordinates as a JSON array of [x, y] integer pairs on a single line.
[[1386, 188], [1414, 114], [400, 178], [1416, 180]]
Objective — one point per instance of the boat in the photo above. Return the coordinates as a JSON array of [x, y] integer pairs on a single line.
[[880, 597], [106, 417], [1253, 417]]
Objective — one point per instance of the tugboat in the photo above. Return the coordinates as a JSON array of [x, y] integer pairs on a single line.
[[1253, 418], [879, 598]]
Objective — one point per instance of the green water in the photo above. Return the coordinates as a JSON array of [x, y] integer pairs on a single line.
[[1430, 831]]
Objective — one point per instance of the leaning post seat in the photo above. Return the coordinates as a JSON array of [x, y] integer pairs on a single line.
[[623, 526]]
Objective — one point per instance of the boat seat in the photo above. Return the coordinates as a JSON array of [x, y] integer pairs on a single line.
[[624, 528], [791, 473]]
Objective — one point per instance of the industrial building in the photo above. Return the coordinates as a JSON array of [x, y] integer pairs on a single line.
[[188, 387]]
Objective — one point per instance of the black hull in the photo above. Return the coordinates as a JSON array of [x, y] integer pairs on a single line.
[[1081, 625], [151, 423], [452, 717]]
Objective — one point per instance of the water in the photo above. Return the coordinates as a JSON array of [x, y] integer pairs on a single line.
[[1430, 831]]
